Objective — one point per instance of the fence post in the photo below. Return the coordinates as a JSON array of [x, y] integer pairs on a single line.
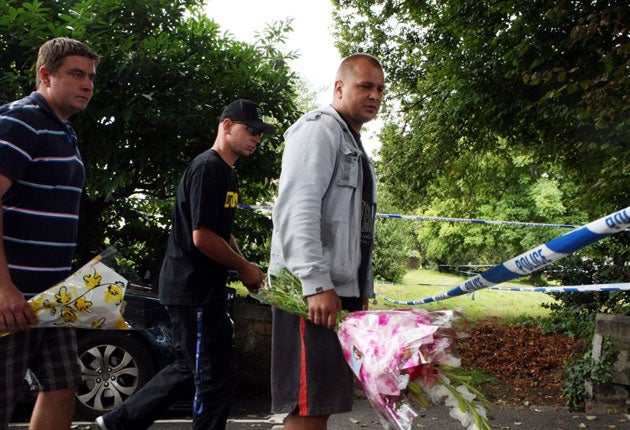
[[614, 396]]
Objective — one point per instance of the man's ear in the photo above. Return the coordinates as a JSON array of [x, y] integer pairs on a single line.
[[44, 76], [338, 88], [227, 125]]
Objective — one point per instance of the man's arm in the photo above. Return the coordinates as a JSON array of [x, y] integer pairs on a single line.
[[15, 312], [234, 245], [307, 167], [228, 255], [308, 163]]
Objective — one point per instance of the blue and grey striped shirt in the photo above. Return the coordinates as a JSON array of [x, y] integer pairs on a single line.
[[39, 153]]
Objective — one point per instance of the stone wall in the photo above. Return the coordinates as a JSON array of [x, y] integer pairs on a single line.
[[252, 344], [612, 397]]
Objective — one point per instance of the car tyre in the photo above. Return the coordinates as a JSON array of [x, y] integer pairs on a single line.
[[114, 365]]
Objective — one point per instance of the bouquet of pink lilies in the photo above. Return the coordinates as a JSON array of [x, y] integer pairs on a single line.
[[403, 358]]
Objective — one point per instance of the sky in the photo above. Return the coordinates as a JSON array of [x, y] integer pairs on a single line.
[[311, 39]]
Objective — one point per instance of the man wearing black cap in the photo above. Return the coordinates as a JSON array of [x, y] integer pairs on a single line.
[[200, 251]]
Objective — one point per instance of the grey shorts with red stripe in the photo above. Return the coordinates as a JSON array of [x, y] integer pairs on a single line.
[[309, 375]]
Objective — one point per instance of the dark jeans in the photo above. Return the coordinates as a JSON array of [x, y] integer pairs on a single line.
[[218, 374]]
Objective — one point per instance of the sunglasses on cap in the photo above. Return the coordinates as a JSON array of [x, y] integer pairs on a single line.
[[251, 130]]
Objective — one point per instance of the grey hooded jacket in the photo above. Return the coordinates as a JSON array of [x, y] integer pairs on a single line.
[[317, 215]]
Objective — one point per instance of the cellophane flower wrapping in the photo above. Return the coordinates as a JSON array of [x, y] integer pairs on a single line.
[[403, 358], [92, 298]]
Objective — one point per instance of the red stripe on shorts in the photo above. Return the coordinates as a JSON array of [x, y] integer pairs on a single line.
[[303, 399]]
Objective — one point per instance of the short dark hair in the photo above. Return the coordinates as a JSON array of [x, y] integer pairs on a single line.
[[52, 53]]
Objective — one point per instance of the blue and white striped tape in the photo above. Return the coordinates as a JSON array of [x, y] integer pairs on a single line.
[[593, 288], [619, 286], [539, 256], [431, 218], [411, 284], [472, 220]]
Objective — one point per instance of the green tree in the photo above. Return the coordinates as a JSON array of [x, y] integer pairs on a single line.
[[166, 74], [501, 110], [540, 87], [395, 241], [549, 77], [501, 184]]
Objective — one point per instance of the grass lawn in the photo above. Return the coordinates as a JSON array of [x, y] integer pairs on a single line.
[[505, 305]]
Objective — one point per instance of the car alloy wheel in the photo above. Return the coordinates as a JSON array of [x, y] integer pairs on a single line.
[[114, 365]]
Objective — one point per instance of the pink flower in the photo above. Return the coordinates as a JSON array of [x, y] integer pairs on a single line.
[[399, 357]]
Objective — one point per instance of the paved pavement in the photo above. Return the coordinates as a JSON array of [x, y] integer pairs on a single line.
[[253, 414], [437, 417]]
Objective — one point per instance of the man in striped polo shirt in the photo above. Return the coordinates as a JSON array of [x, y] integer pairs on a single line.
[[41, 181]]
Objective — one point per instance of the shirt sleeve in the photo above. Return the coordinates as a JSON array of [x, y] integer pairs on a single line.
[[308, 163], [205, 200], [18, 142]]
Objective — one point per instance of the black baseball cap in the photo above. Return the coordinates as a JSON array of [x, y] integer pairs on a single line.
[[248, 112]]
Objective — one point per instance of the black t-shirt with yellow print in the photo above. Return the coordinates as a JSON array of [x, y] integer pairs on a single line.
[[207, 196]]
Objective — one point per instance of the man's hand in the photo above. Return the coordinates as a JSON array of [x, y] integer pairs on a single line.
[[252, 277], [323, 308], [15, 312]]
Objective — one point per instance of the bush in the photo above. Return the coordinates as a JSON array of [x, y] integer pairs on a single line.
[[606, 262], [581, 369], [393, 241]]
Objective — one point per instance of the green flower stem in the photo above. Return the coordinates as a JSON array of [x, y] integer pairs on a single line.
[[452, 374], [418, 395], [481, 422], [284, 291]]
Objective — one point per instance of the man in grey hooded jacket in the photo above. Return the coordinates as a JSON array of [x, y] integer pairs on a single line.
[[324, 233]]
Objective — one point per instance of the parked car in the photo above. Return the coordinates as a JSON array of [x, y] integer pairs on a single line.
[[117, 363]]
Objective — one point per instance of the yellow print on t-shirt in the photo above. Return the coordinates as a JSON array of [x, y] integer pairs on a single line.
[[231, 199]]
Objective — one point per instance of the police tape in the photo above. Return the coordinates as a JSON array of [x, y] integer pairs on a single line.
[[435, 218], [472, 220], [593, 288], [411, 284], [619, 286], [538, 257]]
